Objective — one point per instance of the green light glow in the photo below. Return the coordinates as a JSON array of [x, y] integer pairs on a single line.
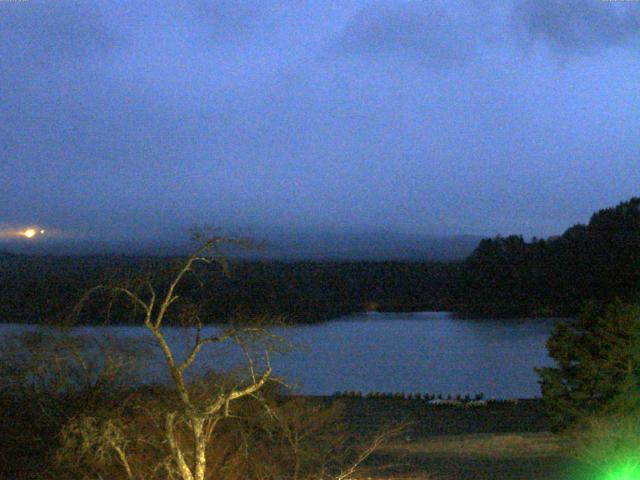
[[626, 471]]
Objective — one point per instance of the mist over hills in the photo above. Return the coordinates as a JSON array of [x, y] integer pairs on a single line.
[[374, 246], [276, 245]]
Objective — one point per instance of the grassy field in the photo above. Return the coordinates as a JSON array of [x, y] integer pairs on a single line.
[[526, 456], [498, 441]]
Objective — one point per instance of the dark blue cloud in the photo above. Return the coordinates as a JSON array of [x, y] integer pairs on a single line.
[[36, 35], [580, 26], [135, 119], [425, 31], [231, 19]]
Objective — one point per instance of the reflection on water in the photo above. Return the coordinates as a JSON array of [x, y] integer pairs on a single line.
[[411, 352]]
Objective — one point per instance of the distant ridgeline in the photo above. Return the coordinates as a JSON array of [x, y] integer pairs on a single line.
[[598, 261]]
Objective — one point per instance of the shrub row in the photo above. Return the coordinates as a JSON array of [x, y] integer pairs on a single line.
[[411, 396]]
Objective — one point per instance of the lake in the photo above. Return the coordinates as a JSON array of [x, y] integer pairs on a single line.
[[428, 352]]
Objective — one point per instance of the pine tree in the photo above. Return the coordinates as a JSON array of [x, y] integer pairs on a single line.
[[597, 365]]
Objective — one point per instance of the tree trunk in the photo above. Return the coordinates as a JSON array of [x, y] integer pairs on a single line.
[[200, 444], [176, 451]]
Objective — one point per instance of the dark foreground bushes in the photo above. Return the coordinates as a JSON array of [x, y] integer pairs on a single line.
[[66, 415], [121, 436]]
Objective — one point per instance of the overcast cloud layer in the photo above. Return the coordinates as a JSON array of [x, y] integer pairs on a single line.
[[139, 119]]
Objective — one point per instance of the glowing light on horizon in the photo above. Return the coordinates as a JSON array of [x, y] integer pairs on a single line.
[[31, 232]]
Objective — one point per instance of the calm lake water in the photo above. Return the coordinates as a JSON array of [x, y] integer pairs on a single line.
[[388, 352]]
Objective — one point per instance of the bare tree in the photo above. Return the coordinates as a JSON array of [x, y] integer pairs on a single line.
[[319, 446], [208, 426], [199, 415]]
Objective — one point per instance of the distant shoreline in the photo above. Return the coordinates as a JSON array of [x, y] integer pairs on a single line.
[[33, 288], [340, 317]]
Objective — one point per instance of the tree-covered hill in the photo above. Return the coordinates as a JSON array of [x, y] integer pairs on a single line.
[[597, 261]]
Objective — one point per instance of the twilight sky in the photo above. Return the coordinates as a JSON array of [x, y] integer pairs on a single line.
[[139, 119]]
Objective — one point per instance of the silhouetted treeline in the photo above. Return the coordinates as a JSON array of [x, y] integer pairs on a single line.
[[504, 276], [597, 261], [38, 288]]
